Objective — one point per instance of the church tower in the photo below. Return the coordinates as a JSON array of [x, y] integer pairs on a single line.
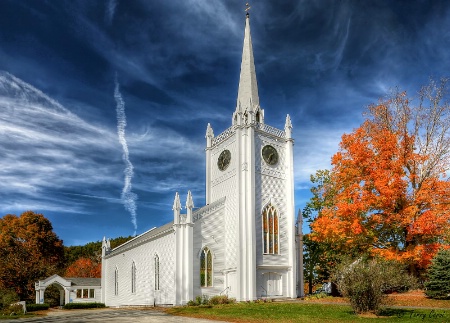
[[250, 164]]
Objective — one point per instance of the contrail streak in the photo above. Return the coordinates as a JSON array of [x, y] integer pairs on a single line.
[[110, 11], [128, 198]]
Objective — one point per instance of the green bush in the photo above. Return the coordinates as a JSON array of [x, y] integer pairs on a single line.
[[12, 310], [71, 306], [37, 307], [364, 282], [438, 284], [7, 297]]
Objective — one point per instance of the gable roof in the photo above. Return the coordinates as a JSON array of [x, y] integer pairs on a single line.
[[76, 281]]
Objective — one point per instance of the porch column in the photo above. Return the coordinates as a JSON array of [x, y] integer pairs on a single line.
[[67, 298], [41, 296]]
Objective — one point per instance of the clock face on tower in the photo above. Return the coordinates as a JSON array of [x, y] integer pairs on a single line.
[[224, 159], [270, 155]]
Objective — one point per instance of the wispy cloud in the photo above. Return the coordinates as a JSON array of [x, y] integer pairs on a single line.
[[46, 147], [128, 197], [110, 11]]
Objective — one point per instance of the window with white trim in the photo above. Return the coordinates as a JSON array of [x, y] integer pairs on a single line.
[[133, 277], [270, 230], [206, 268], [116, 282], [86, 293], [156, 272]]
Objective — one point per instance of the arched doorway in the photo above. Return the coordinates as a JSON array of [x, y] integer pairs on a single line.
[[54, 295]]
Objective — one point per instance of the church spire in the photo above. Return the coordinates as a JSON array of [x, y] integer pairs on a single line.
[[248, 98]]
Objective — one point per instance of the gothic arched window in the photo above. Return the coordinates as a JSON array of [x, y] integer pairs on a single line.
[[206, 268], [270, 230], [133, 277], [116, 282], [156, 272]]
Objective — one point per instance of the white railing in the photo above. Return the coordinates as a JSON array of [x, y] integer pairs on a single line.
[[224, 135], [271, 130]]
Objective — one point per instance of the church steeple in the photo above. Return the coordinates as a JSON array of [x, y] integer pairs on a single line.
[[248, 98]]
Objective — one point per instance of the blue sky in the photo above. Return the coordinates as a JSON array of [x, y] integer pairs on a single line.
[[66, 67]]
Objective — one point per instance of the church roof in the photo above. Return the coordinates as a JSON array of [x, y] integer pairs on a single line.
[[248, 87], [84, 281], [143, 238]]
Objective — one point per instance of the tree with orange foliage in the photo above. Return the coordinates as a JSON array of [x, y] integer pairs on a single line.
[[85, 268], [29, 251], [389, 184]]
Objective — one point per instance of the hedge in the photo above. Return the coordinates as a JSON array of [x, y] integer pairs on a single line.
[[37, 307], [71, 306]]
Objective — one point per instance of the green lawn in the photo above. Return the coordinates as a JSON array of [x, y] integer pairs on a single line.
[[301, 312]]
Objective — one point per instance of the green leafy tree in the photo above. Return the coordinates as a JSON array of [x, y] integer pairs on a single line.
[[319, 256], [85, 261], [438, 284]]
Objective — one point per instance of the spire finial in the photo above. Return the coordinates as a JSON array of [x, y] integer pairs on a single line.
[[247, 9]]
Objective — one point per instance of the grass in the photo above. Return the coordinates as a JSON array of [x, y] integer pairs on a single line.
[[304, 312]]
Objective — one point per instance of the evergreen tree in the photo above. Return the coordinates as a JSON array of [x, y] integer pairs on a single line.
[[438, 284]]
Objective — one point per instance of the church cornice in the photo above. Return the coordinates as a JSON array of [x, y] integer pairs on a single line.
[[259, 127], [266, 129]]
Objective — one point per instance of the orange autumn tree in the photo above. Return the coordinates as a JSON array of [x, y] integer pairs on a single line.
[[390, 181], [84, 268], [29, 251]]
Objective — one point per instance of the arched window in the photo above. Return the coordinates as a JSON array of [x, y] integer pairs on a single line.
[[156, 272], [270, 230], [133, 277], [206, 268], [116, 282]]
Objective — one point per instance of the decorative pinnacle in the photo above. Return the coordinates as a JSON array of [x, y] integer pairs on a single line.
[[189, 201], [176, 202]]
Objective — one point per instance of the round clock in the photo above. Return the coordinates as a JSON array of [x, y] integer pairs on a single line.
[[224, 159], [270, 155]]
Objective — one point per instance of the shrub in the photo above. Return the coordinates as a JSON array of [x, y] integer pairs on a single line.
[[438, 284], [215, 300], [364, 282], [71, 306], [317, 296], [37, 307], [221, 299], [7, 297], [12, 310]]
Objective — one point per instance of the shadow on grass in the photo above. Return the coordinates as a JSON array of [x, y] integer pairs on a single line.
[[397, 312]]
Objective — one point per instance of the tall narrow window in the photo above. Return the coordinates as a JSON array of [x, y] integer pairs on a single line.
[[206, 268], [133, 277], [270, 230], [116, 282], [156, 272]]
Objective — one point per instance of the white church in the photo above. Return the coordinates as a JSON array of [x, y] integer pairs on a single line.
[[242, 243]]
